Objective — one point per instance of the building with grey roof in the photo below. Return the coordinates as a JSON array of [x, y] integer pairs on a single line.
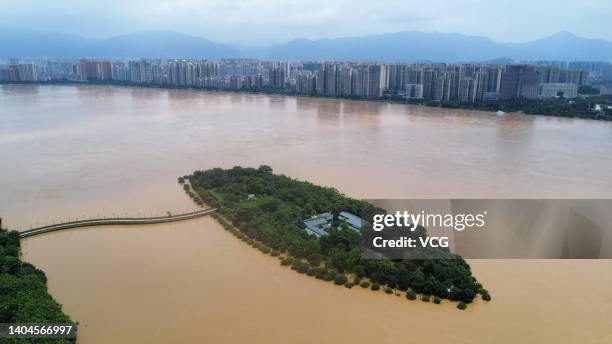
[[319, 225], [354, 222]]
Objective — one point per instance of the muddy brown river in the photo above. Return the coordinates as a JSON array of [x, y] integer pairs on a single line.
[[89, 151]]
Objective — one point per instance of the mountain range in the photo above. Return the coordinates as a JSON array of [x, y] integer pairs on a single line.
[[392, 47]]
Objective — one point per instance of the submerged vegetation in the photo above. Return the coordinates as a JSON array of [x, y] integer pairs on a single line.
[[23, 291], [267, 211]]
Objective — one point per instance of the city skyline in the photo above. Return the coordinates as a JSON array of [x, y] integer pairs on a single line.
[[258, 23], [437, 82]]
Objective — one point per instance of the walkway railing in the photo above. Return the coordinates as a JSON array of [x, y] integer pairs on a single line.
[[115, 221]]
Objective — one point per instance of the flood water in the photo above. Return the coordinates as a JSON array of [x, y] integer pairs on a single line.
[[68, 151]]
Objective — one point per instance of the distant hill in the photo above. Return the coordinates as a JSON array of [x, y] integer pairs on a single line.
[[157, 44], [564, 46], [401, 46], [162, 44], [441, 47], [33, 44]]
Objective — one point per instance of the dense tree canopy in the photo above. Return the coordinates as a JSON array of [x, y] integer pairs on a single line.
[[23, 291], [271, 208]]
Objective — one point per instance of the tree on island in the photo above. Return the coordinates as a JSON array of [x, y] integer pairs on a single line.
[[269, 209]]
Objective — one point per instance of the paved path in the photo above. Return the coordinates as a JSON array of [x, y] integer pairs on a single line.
[[115, 221]]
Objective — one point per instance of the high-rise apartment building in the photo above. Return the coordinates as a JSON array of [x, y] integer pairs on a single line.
[[330, 80], [120, 71], [54, 70], [277, 77], [377, 81], [9, 73], [27, 72], [519, 81], [141, 71]]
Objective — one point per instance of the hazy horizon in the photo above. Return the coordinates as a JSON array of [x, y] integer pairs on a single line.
[[288, 40], [265, 22]]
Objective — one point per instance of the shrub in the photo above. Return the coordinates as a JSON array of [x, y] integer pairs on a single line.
[[275, 253], [411, 295], [485, 295], [287, 261], [295, 265], [27, 269], [340, 280], [302, 267], [320, 273], [388, 290], [348, 285], [364, 284], [437, 300], [375, 286], [425, 298], [461, 306], [314, 259]]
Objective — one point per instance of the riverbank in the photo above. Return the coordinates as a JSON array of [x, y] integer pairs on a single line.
[[581, 107], [23, 291]]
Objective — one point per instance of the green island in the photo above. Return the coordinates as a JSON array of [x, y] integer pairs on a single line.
[[23, 292], [267, 211]]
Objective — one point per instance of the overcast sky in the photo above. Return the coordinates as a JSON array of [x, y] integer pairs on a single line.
[[269, 21]]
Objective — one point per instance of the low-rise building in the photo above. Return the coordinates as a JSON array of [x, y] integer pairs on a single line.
[[320, 225], [606, 90], [353, 221], [554, 90]]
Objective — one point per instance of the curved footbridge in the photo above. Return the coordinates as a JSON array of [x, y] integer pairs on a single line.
[[116, 221]]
